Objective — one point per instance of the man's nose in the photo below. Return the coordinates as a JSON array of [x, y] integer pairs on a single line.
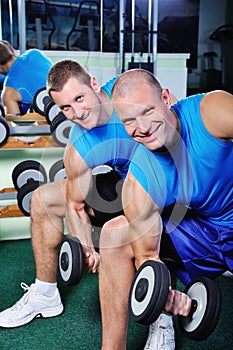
[[141, 123]]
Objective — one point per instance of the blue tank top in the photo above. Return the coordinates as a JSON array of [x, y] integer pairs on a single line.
[[196, 173], [28, 74], [107, 144]]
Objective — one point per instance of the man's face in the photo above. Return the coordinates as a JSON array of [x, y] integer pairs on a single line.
[[145, 116], [79, 103]]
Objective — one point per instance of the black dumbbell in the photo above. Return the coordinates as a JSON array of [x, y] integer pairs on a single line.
[[70, 261], [149, 292], [21, 128], [40, 100], [57, 171], [51, 111], [4, 131], [2, 111], [26, 177], [60, 129]]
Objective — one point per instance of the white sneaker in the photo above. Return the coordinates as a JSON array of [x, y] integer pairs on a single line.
[[161, 334], [31, 305], [228, 274]]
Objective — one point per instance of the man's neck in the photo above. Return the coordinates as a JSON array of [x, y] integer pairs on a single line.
[[10, 63], [106, 107]]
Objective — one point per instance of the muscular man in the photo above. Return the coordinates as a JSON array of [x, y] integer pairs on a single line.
[[179, 186], [98, 137], [25, 75]]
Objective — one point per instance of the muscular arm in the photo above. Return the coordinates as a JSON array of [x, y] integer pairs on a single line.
[[217, 114], [10, 100], [79, 183], [145, 224], [145, 229]]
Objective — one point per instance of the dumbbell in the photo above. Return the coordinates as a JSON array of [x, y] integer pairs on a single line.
[[20, 129], [70, 261], [59, 125], [60, 129], [57, 171], [2, 111], [51, 111], [4, 131], [26, 177], [149, 292], [40, 100]]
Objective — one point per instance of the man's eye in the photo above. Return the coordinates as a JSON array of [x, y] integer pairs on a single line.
[[65, 109], [128, 121], [148, 111], [79, 98]]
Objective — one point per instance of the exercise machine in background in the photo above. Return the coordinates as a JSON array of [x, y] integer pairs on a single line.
[[147, 34]]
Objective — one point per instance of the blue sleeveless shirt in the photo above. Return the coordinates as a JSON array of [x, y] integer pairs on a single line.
[[197, 173], [108, 144], [28, 74]]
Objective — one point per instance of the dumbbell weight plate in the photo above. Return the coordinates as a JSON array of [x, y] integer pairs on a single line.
[[2, 111], [149, 291], [60, 129], [70, 261], [201, 322], [26, 171], [4, 131], [57, 171], [40, 99], [24, 196], [51, 111]]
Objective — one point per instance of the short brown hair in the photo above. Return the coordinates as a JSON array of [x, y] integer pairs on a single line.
[[6, 52], [61, 71]]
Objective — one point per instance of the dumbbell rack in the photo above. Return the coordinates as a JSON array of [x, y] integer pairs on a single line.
[[11, 210], [42, 128], [30, 123]]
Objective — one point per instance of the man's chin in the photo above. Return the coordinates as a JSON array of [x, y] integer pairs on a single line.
[[154, 146]]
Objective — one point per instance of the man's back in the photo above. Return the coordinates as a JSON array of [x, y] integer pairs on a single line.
[[28, 74]]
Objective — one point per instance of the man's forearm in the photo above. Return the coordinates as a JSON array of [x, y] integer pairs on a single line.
[[79, 225], [146, 245]]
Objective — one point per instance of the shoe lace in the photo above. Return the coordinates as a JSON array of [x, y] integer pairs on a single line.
[[22, 301]]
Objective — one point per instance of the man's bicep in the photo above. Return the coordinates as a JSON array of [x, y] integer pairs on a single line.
[[145, 224], [79, 177], [137, 203]]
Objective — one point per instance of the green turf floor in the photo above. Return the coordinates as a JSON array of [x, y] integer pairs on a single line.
[[79, 327]]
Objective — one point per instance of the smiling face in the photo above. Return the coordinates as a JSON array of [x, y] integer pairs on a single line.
[[146, 116], [79, 102]]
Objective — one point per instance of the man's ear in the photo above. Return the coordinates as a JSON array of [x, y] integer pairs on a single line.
[[95, 84], [168, 98]]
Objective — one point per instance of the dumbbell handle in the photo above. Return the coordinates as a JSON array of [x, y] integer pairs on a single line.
[[193, 307]]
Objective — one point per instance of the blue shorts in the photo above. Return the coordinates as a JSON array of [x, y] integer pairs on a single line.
[[204, 248]]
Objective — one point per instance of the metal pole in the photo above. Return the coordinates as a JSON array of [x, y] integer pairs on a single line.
[[22, 26], [11, 22], [133, 29], [155, 33], [101, 37], [0, 20], [101, 25], [149, 29], [122, 35]]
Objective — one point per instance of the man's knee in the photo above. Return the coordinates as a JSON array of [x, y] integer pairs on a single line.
[[114, 234], [40, 205]]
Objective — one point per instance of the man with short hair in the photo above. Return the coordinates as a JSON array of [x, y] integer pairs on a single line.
[[178, 193], [97, 137]]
